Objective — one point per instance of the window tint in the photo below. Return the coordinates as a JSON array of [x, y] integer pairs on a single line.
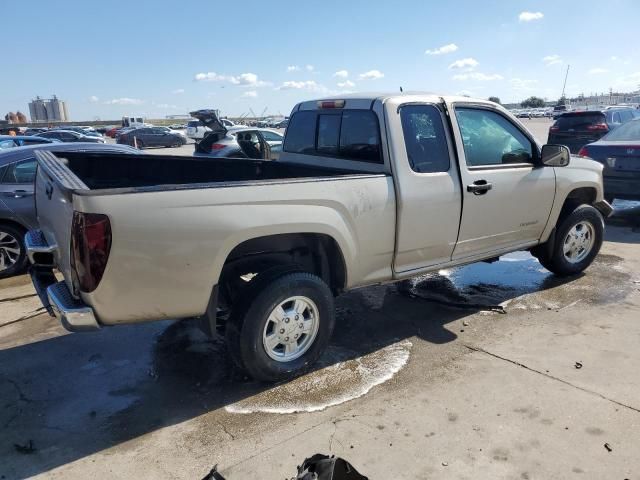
[[615, 118], [328, 134], [301, 133], [158, 131], [424, 138], [359, 136], [21, 172], [193, 123], [579, 121], [491, 139]]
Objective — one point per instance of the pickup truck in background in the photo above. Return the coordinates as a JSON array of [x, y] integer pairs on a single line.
[[368, 189]]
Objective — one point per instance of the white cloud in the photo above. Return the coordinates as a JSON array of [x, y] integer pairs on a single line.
[[124, 101], [371, 75], [614, 58], [469, 63], [250, 94], [178, 91], [450, 48], [244, 79], [93, 99], [630, 81], [530, 16], [522, 84], [306, 85], [166, 106], [293, 68], [341, 74], [309, 68], [346, 83], [482, 77], [551, 60], [597, 71]]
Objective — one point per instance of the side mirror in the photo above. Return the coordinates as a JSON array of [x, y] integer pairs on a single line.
[[555, 155]]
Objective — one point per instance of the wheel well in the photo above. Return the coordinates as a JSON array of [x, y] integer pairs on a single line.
[[310, 252], [579, 196], [14, 224]]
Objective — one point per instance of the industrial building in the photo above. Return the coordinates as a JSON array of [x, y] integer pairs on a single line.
[[48, 110]]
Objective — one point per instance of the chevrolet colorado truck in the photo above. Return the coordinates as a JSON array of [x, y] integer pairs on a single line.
[[368, 189]]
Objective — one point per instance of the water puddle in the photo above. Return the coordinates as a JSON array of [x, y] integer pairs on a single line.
[[332, 385]]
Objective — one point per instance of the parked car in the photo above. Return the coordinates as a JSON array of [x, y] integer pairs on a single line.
[[152, 137], [34, 130], [68, 136], [576, 129], [111, 133], [9, 141], [559, 110], [619, 152], [236, 142], [368, 189], [17, 207], [88, 131], [196, 130]]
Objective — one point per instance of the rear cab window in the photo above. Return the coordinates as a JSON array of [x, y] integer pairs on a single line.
[[345, 134]]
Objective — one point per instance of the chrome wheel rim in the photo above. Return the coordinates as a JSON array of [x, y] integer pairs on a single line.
[[10, 250], [291, 329], [579, 241]]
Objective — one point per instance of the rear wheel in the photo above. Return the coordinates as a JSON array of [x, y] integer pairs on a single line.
[[281, 325], [13, 256], [578, 239], [140, 144]]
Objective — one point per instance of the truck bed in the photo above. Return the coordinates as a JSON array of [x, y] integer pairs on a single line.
[[144, 172]]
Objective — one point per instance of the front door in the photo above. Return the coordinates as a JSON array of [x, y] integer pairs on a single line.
[[507, 193], [16, 190]]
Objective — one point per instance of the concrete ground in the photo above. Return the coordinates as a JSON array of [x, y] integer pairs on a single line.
[[426, 379]]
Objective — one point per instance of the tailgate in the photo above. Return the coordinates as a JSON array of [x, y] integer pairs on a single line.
[[54, 188]]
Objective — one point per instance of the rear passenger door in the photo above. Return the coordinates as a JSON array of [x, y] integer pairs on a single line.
[[427, 183], [507, 193], [16, 190]]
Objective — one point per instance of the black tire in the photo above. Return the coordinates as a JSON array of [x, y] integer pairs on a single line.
[[554, 259], [140, 144], [609, 198], [245, 327], [22, 261]]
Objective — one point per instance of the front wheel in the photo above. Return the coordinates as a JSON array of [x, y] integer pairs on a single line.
[[281, 325], [578, 239]]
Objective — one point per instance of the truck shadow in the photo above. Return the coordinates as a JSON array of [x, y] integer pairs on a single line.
[[626, 214], [79, 394]]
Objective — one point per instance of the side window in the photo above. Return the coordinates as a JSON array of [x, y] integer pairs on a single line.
[[626, 115], [301, 133], [360, 136], [67, 136], [491, 139], [615, 118], [271, 137], [7, 144], [20, 172], [425, 138], [328, 134]]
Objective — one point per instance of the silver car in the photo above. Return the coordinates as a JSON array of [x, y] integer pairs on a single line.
[[17, 208]]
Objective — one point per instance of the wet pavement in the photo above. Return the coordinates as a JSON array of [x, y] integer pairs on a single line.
[[426, 364]]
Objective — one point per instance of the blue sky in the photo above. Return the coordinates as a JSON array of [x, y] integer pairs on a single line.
[[108, 59]]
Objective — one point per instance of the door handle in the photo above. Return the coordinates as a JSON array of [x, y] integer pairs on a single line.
[[18, 194], [479, 187]]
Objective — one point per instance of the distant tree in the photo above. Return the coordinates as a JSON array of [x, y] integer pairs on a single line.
[[533, 102], [494, 99]]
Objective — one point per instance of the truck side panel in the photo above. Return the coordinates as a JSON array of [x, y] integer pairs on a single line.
[[169, 247]]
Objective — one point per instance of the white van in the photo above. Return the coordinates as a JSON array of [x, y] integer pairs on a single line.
[[133, 122]]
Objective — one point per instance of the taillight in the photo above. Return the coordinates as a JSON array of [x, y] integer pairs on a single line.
[[598, 127], [90, 247], [554, 128], [217, 146], [583, 152]]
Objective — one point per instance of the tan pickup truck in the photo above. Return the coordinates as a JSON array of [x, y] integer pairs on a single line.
[[368, 189]]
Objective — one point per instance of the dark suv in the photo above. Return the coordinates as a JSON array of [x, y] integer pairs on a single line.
[[576, 129]]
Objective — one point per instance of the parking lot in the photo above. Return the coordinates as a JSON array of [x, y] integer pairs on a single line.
[[486, 371]]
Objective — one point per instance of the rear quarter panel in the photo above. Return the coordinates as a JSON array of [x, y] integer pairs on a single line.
[[169, 247]]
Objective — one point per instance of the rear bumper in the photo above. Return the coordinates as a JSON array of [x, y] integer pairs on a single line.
[[55, 296]]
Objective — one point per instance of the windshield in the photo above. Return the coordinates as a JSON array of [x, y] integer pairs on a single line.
[[628, 132]]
